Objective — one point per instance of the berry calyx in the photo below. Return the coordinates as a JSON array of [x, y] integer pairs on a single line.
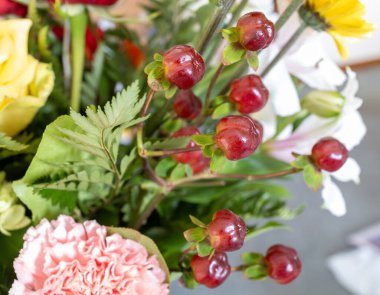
[[210, 271], [284, 265], [187, 105], [329, 154], [249, 93], [256, 32], [183, 66], [226, 231], [238, 136], [194, 159]]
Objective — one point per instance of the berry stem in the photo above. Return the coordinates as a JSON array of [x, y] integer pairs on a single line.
[[292, 7], [285, 49], [220, 13], [140, 128], [234, 176], [211, 86], [78, 30]]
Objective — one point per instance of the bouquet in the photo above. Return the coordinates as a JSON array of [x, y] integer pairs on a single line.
[[135, 151]]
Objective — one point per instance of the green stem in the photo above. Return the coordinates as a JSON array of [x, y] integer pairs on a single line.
[[140, 128], [216, 19], [288, 13], [285, 49], [211, 86], [78, 30]]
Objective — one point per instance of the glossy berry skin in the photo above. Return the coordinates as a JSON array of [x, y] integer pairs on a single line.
[[329, 154], [256, 32], [12, 7], [183, 66], [238, 136], [210, 272], [187, 105], [249, 94], [226, 232], [284, 265], [195, 159]]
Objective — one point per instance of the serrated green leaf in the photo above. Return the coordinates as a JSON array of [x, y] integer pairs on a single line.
[[171, 143], [256, 272], [312, 177], [63, 199], [10, 144], [252, 59], [233, 53], [231, 35], [126, 161], [222, 110], [203, 139]]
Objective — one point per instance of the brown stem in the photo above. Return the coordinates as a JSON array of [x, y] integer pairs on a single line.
[[148, 211], [153, 174]]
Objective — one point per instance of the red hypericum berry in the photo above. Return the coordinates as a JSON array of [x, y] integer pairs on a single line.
[[226, 231], [283, 263], [211, 272], [255, 30], [183, 66], [12, 7], [88, 2], [195, 159], [329, 154], [134, 53], [238, 136], [249, 94], [187, 105]]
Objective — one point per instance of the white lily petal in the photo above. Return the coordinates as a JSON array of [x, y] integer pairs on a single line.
[[333, 198], [352, 85], [349, 172], [267, 118]]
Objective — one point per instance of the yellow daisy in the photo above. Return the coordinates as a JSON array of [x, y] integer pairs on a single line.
[[340, 18]]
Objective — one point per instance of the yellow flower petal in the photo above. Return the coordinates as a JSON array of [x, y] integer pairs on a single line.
[[339, 44]]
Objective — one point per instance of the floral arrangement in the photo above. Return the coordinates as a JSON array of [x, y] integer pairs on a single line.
[[117, 133]]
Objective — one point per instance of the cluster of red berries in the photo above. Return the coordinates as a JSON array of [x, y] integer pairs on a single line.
[[329, 154], [226, 233]]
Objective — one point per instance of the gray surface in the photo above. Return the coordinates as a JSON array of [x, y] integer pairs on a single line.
[[317, 234]]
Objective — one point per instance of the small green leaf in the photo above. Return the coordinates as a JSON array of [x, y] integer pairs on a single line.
[[195, 235], [178, 172], [157, 57], [188, 280], [203, 139], [208, 150], [151, 66], [204, 249], [164, 166], [10, 144], [170, 143], [251, 258], [222, 110], [312, 177], [232, 54], [231, 35], [301, 162], [155, 79], [197, 222], [218, 161], [256, 272], [253, 60], [170, 91]]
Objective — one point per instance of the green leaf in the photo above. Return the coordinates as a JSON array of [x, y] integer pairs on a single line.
[[164, 166], [126, 161], [197, 222], [203, 139], [157, 80], [170, 143], [157, 57], [312, 177], [10, 144], [208, 150], [251, 258], [301, 162], [271, 225], [151, 66], [256, 272], [233, 53], [231, 35], [222, 110], [253, 60], [195, 235], [63, 199], [218, 161], [204, 249], [148, 243], [178, 172]]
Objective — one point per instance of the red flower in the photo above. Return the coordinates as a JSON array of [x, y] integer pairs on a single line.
[[134, 53], [11, 7]]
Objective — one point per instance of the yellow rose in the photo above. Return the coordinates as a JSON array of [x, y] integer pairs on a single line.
[[25, 83]]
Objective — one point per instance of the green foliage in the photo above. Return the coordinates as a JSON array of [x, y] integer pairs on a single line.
[[312, 177], [233, 53], [8, 143]]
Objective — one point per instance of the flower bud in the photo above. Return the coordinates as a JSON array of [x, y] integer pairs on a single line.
[[325, 104]]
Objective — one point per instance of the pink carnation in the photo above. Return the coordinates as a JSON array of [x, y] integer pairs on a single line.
[[65, 257]]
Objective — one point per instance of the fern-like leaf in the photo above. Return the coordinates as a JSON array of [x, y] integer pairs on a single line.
[[10, 144]]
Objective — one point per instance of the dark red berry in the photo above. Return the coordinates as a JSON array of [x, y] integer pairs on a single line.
[[238, 136], [187, 105], [12, 7], [184, 67], [284, 264], [211, 272], [255, 30], [226, 231], [195, 159], [249, 94], [329, 154]]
